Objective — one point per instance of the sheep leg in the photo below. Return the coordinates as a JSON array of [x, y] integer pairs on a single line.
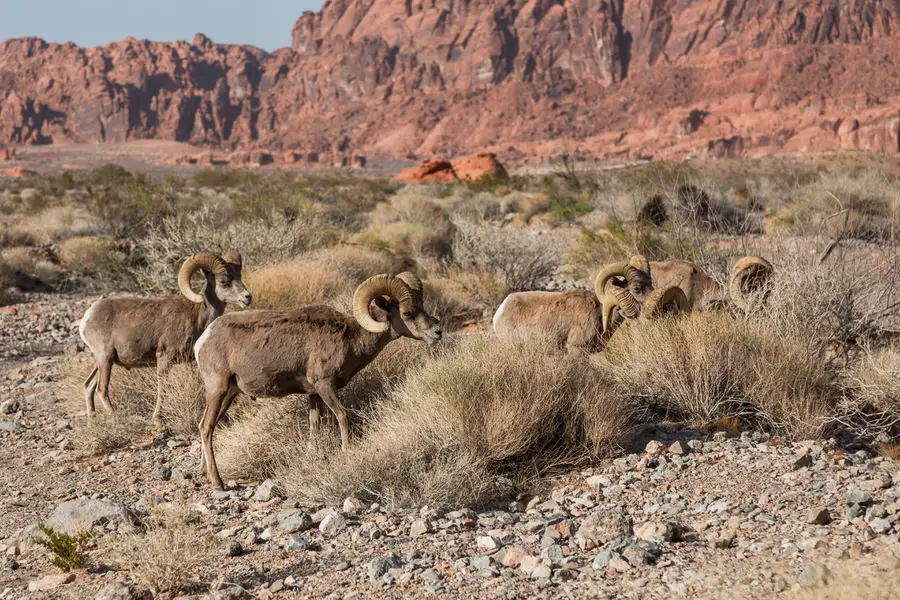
[[227, 404], [103, 386], [326, 390], [163, 364], [90, 387], [215, 400], [315, 410]]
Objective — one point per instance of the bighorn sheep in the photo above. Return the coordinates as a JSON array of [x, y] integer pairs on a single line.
[[138, 332], [312, 350], [580, 319], [748, 276]]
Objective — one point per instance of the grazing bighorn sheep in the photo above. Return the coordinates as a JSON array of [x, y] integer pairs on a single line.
[[748, 276], [138, 332], [580, 319], [312, 350]]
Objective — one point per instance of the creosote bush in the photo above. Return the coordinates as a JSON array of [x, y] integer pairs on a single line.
[[69, 551], [171, 554], [477, 413]]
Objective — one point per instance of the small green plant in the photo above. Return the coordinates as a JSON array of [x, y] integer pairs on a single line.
[[69, 551], [564, 209]]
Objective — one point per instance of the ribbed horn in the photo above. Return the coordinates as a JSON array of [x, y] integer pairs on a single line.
[[607, 273], [622, 299], [665, 300], [414, 284], [202, 260], [749, 275], [236, 261], [368, 290]]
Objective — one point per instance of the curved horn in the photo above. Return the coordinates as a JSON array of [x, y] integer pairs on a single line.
[[750, 274], [607, 273], [236, 261], [639, 261], [667, 299], [368, 290], [202, 260], [620, 298], [414, 284]]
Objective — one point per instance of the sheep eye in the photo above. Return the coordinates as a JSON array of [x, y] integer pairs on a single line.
[[407, 315]]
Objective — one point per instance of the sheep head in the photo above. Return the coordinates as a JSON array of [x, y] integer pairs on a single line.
[[224, 273], [399, 303]]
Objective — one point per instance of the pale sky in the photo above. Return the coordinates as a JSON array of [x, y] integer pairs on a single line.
[[263, 23]]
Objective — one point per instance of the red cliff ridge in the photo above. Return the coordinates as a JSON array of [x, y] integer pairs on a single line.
[[528, 80]]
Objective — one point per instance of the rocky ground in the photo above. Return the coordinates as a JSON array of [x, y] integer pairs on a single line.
[[687, 514]]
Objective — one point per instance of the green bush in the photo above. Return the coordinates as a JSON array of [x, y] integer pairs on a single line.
[[69, 551]]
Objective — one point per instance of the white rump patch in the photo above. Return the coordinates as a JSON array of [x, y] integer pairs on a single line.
[[84, 321], [202, 339], [499, 312]]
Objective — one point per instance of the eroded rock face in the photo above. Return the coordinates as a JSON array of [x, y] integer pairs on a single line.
[[592, 78]]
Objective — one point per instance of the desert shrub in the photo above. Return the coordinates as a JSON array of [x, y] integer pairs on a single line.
[[224, 178], [359, 262], [862, 205], [261, 241], [478, 207], [170, 555], [450, 302], [90, 254], [410, 225], [564, 209], [297, 283], [31, 264], [69, 551], [128, 208], [483, 410], [849, 582], [57, 223], [268, 433], [593, 249], [346, 200], [482, 288], [518, 259], [708, 366], [871, 406], [133, 396]]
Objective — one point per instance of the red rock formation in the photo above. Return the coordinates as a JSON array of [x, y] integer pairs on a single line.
[[430, 171], [479, 166], [607, 79]]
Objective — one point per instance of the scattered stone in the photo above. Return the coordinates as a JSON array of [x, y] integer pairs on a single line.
[[654, 531], [269, 489], [382, 564], [818, 516], [9, 407], [50, 582], [511, 557], [880, 526], [601, 526], [82, 514], [296, 543], [654, 448], [529, 563], [541, 572], [486, 542], [298, 521], [233, 548], [420, 527], [804, 462], [678, 449], [118, 590], [332, 524], [859, 497], [353, 506]]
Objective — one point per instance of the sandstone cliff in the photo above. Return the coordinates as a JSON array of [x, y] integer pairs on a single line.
[[527, 79]]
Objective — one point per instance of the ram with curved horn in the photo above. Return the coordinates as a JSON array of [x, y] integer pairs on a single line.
[[140, 332], [619, 300], [749, 276], [313, 350]]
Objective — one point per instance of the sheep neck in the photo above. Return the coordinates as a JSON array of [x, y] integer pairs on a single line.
[[212, 307]]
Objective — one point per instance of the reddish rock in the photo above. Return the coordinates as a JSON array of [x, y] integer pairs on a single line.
[[50, 582], [430, 171], [8, 154], [479, 166], [8, 311], [261, 158], [17, 172], [387, 78], [358, 161]]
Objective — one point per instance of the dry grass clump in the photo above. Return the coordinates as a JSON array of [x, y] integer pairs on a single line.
[[518, 259], [410, 225], [171, 555], [872, 402], [708, 366], [295, 284], [262, 240], [478, 411], [133, 396], [850, 582], [30, 264], [90, 254], [359, 262]]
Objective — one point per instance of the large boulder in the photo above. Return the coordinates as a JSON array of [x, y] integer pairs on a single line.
[[479, 166], [82, 514], [430, 171]]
